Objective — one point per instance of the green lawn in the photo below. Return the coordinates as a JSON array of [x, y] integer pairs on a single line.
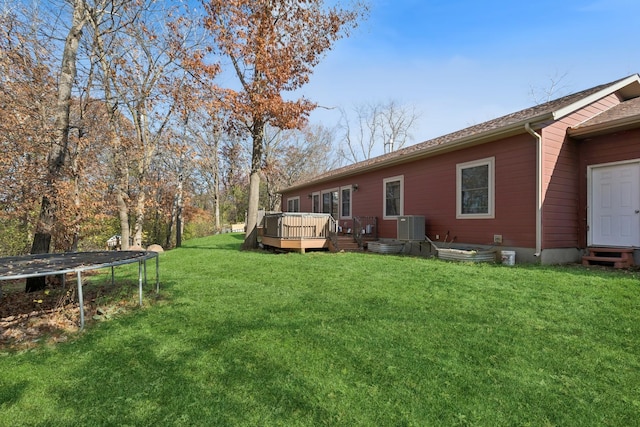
[[256, 339]]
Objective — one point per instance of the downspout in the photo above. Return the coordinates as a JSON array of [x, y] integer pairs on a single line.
[[538, 138]]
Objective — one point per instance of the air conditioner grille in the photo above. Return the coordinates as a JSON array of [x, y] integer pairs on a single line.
[[411, 227]]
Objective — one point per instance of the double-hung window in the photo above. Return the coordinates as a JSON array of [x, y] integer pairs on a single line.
[[345, 202], [475, 188], [293, 204], [393, 196], [315, 202]]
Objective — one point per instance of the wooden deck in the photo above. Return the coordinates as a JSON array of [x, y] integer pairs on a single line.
[[301, 231], [298, 231], [297, 244]]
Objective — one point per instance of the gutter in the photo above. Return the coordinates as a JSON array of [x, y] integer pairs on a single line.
[[538, 137]]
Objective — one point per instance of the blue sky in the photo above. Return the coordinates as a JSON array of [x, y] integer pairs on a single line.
[[462, 62]]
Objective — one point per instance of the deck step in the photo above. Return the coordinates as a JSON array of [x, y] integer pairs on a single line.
[[618, 257], [347, 243]]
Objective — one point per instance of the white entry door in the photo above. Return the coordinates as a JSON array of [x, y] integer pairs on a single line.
[[615, 205]]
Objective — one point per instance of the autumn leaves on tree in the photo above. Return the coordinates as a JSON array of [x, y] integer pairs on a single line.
[[273, 46], [121, 120]]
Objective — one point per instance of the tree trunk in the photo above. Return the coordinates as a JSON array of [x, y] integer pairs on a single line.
[[138, 227], [171, 220], [121, 177], [41, 244], [216, 204], [77, 203], [251, 237], [148, 147], [123, 211], [180, 204], [179, 227], [216, 187], [57, 153]]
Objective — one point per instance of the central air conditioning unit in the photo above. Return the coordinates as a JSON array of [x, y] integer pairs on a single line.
[[411, 227]]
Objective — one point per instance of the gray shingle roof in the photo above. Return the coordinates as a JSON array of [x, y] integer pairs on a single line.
[[625, 110], [488, 129]]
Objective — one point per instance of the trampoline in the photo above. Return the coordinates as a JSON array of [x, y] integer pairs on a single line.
[[22, 267]]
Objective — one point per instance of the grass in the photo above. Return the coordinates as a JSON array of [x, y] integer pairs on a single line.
[[249, 338]]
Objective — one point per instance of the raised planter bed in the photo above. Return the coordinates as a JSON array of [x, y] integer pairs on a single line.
[[470, 255], [385, 247]]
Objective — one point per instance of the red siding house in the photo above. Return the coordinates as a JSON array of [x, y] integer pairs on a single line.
[[547, 182]]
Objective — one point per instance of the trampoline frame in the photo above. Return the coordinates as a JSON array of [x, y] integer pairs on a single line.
[[34, 266]]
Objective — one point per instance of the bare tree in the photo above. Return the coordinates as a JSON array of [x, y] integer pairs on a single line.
[[137, 48], [104, 24], [293, 156], [555, 88], [234, 164], [376, 128], [207, 140]]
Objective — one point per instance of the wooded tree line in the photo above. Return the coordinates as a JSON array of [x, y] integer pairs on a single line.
[[138, 117]]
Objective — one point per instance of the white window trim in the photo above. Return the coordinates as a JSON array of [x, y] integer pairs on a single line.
[[291, 199], [490, 161], [384, 196], [347, 187]]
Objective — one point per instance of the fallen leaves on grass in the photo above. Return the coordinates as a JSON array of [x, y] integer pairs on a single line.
[[52, 315]]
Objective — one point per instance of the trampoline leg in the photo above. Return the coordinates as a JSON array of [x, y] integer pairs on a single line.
[[80, 300], [157, 274], [140, 281], [113, 283]]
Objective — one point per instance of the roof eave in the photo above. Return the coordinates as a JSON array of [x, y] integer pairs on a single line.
[[631, 92], [627, 88], [481, 138], [622, 124]]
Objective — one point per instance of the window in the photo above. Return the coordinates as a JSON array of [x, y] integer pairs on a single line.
[[475, 189], [393, 197], [315, 202], [345, 202], [293, 204]]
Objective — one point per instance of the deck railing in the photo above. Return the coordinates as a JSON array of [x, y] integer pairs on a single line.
[[364, 226], [366, 229], [290, 225]]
